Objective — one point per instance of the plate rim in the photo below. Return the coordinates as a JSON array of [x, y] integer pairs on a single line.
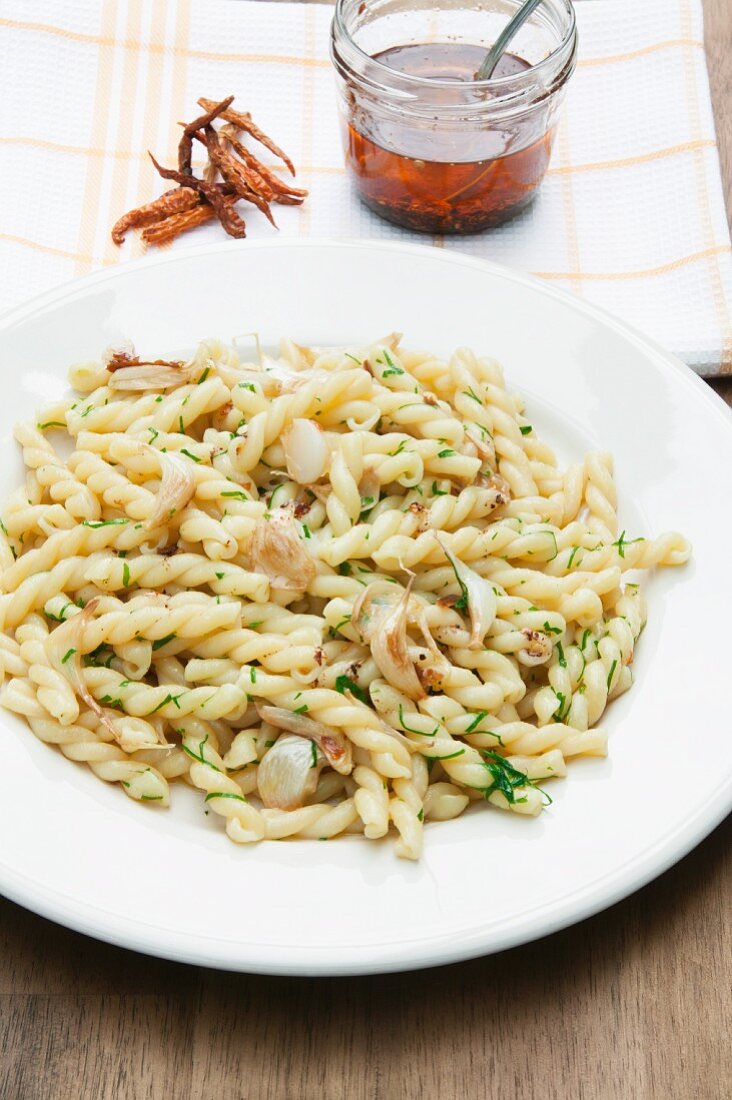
[[570, 909]]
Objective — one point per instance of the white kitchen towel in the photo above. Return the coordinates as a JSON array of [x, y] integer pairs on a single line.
[[631, 214]]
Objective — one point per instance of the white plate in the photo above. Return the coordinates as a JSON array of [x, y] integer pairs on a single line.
[[170, 883]]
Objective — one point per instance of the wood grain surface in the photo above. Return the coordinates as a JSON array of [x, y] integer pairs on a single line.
[[634, 1004]]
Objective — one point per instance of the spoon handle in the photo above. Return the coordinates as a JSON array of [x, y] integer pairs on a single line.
[[485, 72]]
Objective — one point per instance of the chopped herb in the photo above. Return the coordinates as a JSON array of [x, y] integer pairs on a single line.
[[103, 522], [462, 603], [199, 757], [223, 794], [181, 425], [470, 392], [526, 429], [268, 744], [341, 624], [112, 702], [505, 778], [610, 674], [399, 449], [98, 658], [585, 636], [163, 641], [195, 458], [409, 729], [345, 569], [154, 433], [220, 576], [420, 815], [345, 683], [125, 575], [255, 624], [248, 386], [60, 617], [150, 797], [623, 542], [170, 699], [158, 399], [571, 556], [355, 360], [548, 629], [69, 653], [438, 492], [301, 710], [563, 702], [313, 755], [560, 656], [50, 424], [204, 376], [237, 494], [393, 368], [306, 531], [253, 675], [447, 453], [452, 755], [86, 411], [476, 721], [274, 493]]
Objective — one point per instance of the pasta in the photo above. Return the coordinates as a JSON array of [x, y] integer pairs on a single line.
[[343, 590]]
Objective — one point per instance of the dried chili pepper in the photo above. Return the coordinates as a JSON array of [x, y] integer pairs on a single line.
[[198, 200], [185, 145], [283, 192], [172, 202], [228, 135], [244, 122], [167, 230], [224, 211], [233, 172]]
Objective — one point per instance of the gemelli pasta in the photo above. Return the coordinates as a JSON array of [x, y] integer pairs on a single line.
[[343, 590]]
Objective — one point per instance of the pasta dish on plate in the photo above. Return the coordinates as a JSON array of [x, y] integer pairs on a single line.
[[339, 590]]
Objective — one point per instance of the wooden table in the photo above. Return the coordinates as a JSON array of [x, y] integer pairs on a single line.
[[633, 1004]]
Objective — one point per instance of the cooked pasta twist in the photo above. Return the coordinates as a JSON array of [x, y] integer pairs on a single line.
[[340, 590]]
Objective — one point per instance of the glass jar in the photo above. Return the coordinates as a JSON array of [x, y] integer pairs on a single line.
[[427, 145]]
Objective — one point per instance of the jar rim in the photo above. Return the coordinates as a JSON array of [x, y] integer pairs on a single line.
[[496, 83]]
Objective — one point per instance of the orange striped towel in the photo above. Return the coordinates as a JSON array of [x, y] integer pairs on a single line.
[[631, 214]]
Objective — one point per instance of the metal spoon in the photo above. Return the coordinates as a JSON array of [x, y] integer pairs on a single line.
[[485, 72]]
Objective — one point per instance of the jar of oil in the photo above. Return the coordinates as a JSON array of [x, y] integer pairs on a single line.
[[427, 145]]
